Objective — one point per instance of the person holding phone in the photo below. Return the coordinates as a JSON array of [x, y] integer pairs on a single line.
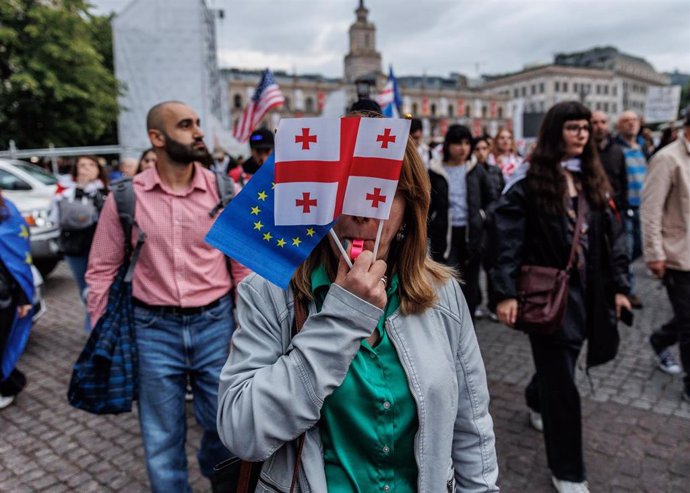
[[385, 379], [536, 218]]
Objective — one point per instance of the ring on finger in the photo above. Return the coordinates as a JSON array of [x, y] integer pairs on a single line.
[[384, 280]]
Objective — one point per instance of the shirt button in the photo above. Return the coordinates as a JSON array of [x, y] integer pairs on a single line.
[[386, 405], [386, 487], [385, 449]]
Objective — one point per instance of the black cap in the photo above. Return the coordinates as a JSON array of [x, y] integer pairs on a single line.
[[261, 138], [366, 106]]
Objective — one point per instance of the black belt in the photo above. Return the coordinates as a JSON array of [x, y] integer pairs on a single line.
[[176, 310]]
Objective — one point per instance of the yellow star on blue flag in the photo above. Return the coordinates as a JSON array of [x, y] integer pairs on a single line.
[[246, 231]]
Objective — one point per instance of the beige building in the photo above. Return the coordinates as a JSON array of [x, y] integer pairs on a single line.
[[602, 78]]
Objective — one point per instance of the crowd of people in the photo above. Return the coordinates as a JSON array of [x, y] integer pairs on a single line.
[[368, 368]]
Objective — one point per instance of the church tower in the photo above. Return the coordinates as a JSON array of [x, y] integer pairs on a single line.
[[363, 60]]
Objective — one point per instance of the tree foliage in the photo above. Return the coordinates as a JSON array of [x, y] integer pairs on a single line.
[[56, 76]]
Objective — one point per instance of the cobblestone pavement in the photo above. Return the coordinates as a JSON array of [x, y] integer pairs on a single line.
[[636, 430]]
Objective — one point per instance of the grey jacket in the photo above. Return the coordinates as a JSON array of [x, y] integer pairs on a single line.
[[272, 389]]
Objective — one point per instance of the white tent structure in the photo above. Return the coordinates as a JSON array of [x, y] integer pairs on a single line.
[[166, 50]]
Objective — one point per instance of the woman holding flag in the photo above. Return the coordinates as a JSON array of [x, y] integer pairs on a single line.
[[384, 383], [16, 294]]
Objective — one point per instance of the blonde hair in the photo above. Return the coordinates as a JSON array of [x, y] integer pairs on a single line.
[[418, 274], [513, 147]]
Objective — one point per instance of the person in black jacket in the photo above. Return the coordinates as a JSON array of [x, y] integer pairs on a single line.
[[612, 158], [536, 221], [482, 151], [16, 294], [460, 198]]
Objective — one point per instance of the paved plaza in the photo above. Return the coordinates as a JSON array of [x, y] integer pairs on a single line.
[[636, 430]]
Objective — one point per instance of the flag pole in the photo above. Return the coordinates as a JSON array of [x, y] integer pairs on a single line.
[[378, 239], [340, 247]]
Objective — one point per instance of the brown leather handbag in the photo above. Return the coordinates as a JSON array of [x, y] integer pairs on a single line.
[[238, 476], [542, 292]]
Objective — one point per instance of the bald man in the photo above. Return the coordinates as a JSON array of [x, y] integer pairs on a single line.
[[180, 292], [612, 158], [636, 167]]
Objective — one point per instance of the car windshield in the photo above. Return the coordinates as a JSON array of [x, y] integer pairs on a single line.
[[37, 173]]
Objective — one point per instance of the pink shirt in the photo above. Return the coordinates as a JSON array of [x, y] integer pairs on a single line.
[[176, 267]]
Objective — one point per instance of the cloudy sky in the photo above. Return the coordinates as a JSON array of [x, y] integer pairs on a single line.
[[437, 37]]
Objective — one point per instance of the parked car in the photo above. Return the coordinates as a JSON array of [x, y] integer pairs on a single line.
[[32, 190]]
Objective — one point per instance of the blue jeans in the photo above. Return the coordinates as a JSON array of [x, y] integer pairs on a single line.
[[78, 267], [171, 348]]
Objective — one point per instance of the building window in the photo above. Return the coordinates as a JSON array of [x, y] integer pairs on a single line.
[[606, 88], [565, 87], [614, 107], [606, 107], [524, 91], [484, 110], [541, 106], [286, 104], [598, 105], [500, 112], [237, 101], [574, 86], [309, 105], [533, 89], [451, 110], [614, 90], [415, 109], [467, 110], [557, 86], [516, 92], [598, 89], [433, 109], [541, 88]]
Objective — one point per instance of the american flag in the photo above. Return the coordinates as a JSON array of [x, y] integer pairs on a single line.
[[266, 97]]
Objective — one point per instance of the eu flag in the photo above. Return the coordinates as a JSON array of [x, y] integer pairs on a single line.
[[246, 231]]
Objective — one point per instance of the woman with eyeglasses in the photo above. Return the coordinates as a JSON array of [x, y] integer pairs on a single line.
[[536, 218]]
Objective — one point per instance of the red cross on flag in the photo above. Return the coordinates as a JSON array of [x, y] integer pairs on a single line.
[[331, 166]]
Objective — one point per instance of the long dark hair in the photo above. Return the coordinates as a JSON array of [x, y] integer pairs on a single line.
[[545, 178]]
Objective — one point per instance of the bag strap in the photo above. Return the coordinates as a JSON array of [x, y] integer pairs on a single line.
[[578, 227], [226, 192], [125, 201]]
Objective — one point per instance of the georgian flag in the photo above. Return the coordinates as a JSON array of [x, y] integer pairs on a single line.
[[329, 166]]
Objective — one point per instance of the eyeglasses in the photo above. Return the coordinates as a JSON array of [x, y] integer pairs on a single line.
[[576, 129]]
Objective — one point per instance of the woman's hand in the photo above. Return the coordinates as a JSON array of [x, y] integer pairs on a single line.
[[23, 310], [621, 301], [507, 311], [364, 280]]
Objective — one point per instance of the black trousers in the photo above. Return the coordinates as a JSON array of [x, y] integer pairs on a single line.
[[553, 392], [467, 265], [677, 330], [15, 381]]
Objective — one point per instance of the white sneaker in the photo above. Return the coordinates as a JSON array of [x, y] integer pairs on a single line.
[[480, 312], [569, 487], [6, 400], [535, 421]]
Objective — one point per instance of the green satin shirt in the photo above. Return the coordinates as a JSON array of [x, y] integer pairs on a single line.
[[369, 423]]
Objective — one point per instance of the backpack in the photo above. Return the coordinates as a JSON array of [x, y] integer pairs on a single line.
[[125, 201]]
